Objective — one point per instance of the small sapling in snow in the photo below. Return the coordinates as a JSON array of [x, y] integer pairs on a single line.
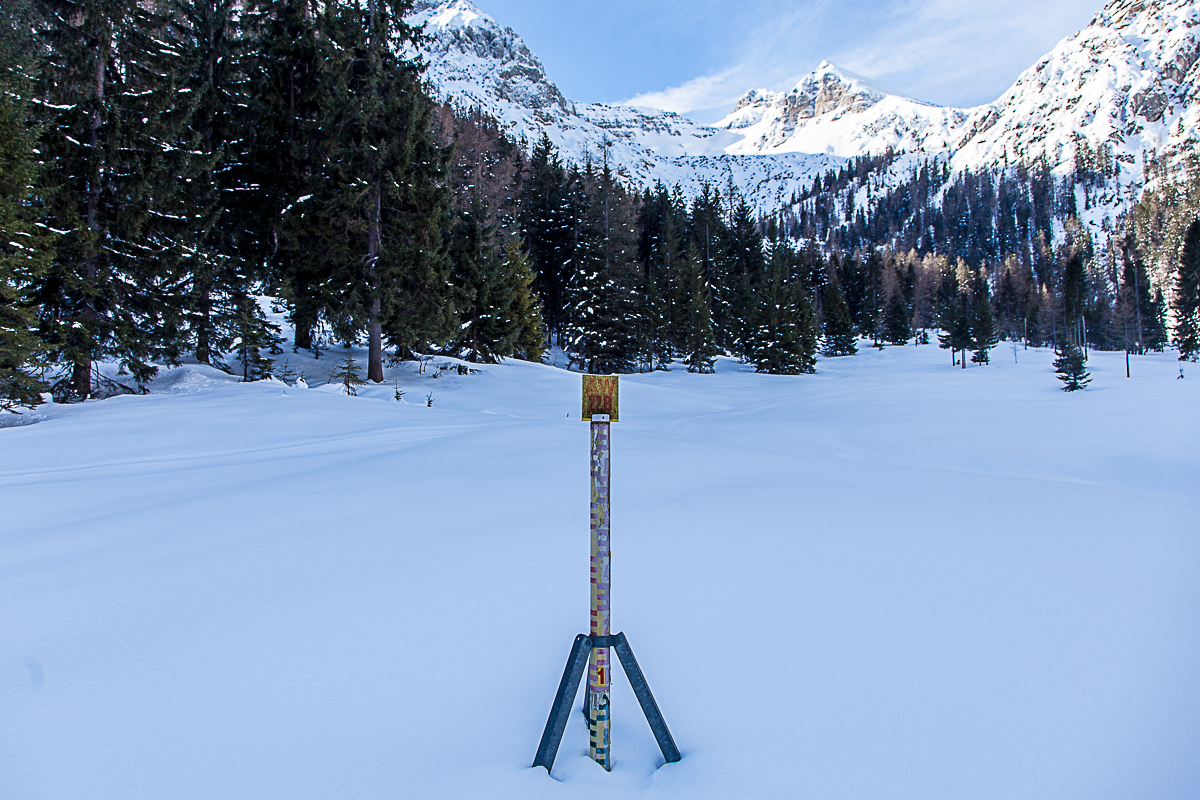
[[285, 373], [348, 375], [1071, 367], [429, 400]]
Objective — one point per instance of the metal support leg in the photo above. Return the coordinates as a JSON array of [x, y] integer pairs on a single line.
[[642, 689], [568, 687]]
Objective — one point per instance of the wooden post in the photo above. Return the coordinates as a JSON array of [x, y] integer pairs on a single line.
[[600, 409]]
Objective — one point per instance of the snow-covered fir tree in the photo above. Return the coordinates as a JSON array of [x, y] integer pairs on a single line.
[[1186, 302]]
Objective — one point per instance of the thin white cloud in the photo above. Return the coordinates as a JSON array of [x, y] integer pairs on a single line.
[[707, 91], [955, 53]]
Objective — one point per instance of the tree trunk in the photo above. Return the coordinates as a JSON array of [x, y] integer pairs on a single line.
[[375, 354], [81, 371], [374, 327], [204, 327], [303, 334], [81, 378]]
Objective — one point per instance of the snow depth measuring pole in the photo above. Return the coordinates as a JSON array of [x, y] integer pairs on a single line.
[[593, 649], [600, 407]]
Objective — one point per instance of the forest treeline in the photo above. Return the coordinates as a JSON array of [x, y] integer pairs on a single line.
[[164, 166]]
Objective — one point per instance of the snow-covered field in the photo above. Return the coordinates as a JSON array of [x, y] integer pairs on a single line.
[[893, 579]]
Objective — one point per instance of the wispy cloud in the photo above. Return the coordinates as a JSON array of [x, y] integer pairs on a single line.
[[707, 91]]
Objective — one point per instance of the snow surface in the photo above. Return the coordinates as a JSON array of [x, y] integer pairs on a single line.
[[892, 579]]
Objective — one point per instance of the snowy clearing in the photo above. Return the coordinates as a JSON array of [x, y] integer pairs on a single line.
[[893, 579]]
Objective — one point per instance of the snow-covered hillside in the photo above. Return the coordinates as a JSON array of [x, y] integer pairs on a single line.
[[475, 62], [892, 579], [1128, 81]]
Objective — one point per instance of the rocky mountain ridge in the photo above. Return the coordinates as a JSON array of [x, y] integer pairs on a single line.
[[474, 62], [1127, 82], [1125, 86], [837, 112]]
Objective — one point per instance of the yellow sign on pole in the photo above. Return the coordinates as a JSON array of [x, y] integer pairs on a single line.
[[600, 396]]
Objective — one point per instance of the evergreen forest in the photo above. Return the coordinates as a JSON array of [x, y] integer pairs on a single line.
[[171, 172]]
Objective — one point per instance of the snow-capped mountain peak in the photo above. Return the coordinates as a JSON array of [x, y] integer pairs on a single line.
[[474, 62], [477, 62], [1128, 83], [836, 111]]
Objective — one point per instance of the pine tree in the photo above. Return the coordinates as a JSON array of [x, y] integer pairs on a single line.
[[1071, 367], [389, 182], [984, 335], [111, 290], [698, 344], [25, 247], [784, 333], [286, 89], [656, 347], [853, 286], [955, 323], [658, 248], [663, 251], [475, 271], [606, 313], [708, 236], [254, 334], [1156, 326], [544, 213], [871, 319], [348, 375], [501, 316], [897, 320], [1186, 303], [839, 327], [525, 309], [225, 256], [737, 284], [1074, 286], [1136, 301]]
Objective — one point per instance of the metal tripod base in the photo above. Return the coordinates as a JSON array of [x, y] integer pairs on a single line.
[[568, 687]]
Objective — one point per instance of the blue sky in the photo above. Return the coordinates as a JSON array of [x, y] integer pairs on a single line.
[[698, 56]]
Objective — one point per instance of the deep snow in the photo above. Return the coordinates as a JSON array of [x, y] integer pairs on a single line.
[[893, 579]]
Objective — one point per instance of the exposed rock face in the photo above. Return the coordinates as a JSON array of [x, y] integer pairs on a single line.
[[1128, 82], [474, 62], [468, 50], [837, 112]]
